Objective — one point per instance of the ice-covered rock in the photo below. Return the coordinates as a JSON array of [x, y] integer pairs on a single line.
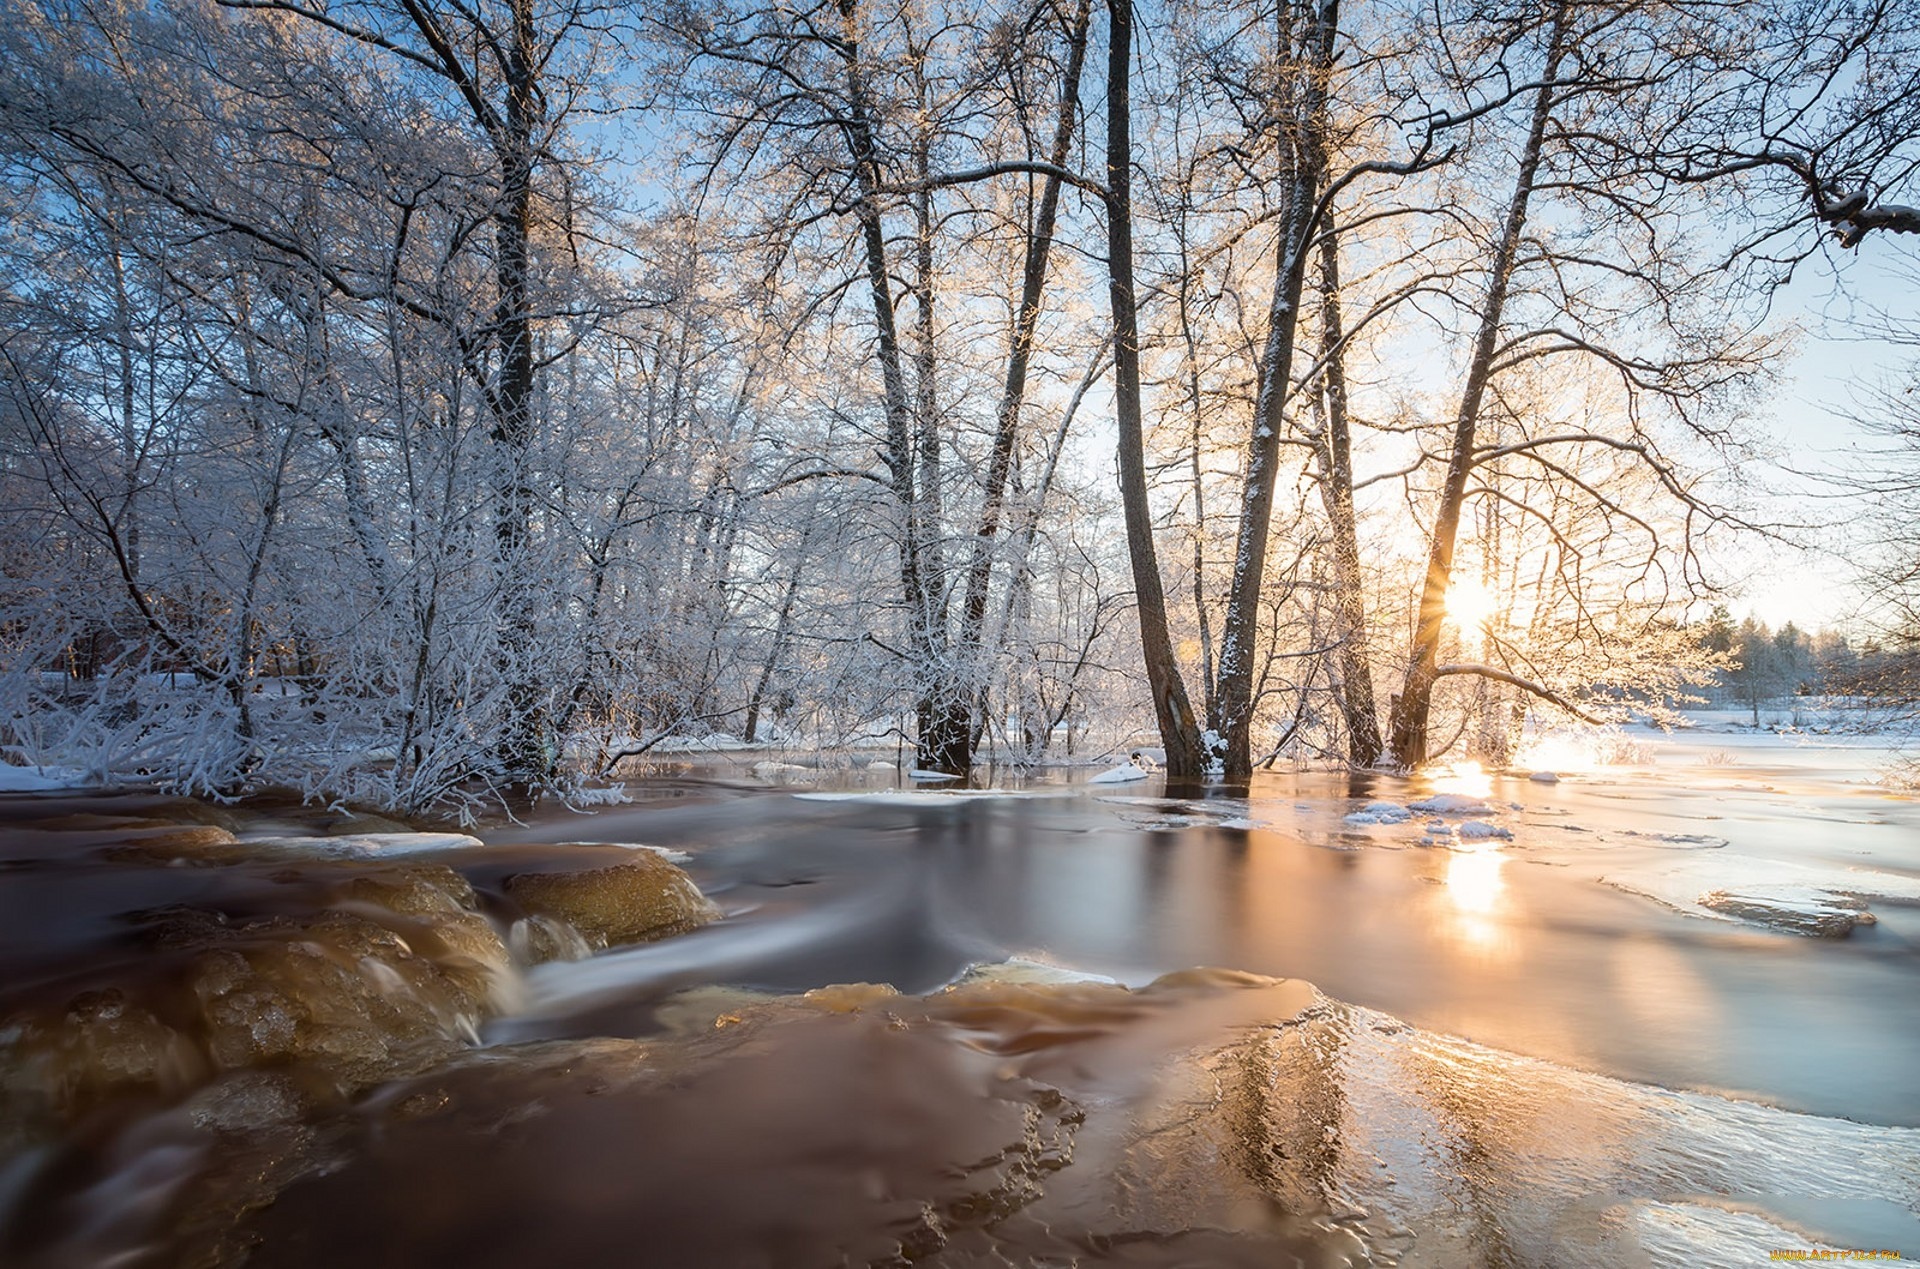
[[1545, 777]]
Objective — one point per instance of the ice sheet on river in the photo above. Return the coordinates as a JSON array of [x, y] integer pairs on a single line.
[[1210, 1118]]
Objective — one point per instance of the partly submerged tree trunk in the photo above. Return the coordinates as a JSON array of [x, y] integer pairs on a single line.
[[1179, 734], [926, 641], [1415, 702], [1334, 452], [972, 654], [1241, 631]]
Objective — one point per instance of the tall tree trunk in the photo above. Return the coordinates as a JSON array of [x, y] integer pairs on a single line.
[[944, 712], [1196, 471], [1415, 702], [925, 642], [1240, 633], [972, 656], [526, 754], [1179, 734], [1334, 452]]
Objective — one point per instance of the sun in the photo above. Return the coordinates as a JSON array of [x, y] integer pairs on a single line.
[[1469, 604]]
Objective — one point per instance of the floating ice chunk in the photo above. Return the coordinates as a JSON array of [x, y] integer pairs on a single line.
[[930, 776], [877, 765], [1380, 813], [771, 768], [930, 797], [667, 853], [1125, 773], [1796, 909], [1242, 824], [1451, 804], [1480, 830], [1545, 777], [362, 844]]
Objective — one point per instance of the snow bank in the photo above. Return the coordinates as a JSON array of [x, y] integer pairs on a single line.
[[40, 779]]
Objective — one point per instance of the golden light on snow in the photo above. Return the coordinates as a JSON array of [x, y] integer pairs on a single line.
[[1469, 604]]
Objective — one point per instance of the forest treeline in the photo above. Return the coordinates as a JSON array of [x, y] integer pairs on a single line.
[[422, 400]]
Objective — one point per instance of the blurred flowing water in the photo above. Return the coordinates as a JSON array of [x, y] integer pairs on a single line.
[[1663, 1014]]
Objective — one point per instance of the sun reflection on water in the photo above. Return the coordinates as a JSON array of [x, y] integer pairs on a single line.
[[1476, 892], [1467, 778], [1474, 884]]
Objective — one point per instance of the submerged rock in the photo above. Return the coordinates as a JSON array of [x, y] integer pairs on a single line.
[[377, 970], [636, 901]]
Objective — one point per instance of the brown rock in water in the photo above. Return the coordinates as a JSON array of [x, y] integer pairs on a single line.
[[643, 899], [395, 977]]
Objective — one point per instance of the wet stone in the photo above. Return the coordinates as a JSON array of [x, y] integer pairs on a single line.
[[636, 901]]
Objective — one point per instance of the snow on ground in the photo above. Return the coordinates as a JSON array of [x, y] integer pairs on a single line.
[[40, 779]]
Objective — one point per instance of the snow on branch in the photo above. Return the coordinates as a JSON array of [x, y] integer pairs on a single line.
[[1854, 216], [1514, 680]]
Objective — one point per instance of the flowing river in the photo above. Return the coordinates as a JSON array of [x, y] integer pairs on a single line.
[[1657, 1014]]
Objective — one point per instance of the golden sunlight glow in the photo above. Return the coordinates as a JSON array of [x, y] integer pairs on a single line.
[[1469, 604], [1468, 779], [1557, 753]]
